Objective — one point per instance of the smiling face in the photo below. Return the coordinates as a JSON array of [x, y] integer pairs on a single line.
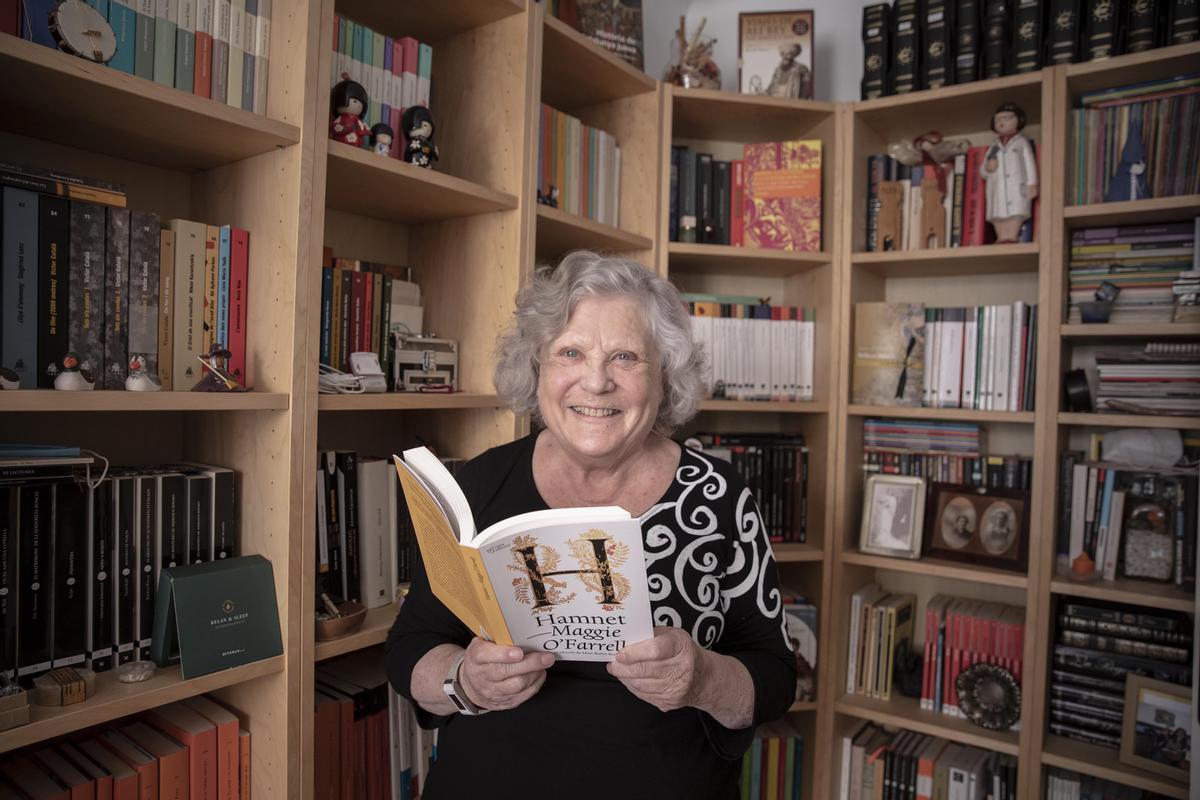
[[600, 384]]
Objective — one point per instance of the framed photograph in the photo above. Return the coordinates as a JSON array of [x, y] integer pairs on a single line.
[[1156, 731], [988, 527], [775, 54], [893, 506]]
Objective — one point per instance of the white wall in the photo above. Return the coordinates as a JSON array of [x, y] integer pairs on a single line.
[[837, 28]]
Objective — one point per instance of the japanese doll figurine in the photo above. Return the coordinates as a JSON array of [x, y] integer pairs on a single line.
[[1010, 171], [381, 138], [349, 107], [418, 129]]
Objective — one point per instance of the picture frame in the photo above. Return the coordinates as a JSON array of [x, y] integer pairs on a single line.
[[767, 62], [1156, 728], [893, 510], [980, 525]]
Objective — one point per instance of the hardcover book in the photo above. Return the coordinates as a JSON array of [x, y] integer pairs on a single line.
[[100, 598], [937, 66], [68, 594], [116, 301], [966, 59], [877, 36], [1101, 29], [782, 209], [54, 236], [567, 581], [996, 42], [142, 322], [615, 25], [86, 315], [906, 47], [9, 524], [1063, 31], [1027, 36], [19, 287], [889, 350]]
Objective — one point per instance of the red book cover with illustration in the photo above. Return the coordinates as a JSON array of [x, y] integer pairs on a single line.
[[782, 209]]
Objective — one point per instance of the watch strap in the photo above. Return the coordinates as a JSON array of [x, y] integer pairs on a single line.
[[454, 690]]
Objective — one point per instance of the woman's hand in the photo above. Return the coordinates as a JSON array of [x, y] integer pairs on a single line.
[[499, 676], [663, 671]]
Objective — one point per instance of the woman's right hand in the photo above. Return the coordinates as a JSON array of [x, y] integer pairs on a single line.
[[500, 676]]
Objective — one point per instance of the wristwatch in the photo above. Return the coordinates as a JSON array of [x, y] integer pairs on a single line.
[[454, 690]]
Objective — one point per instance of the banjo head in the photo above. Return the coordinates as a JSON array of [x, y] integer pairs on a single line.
[[83, 31]]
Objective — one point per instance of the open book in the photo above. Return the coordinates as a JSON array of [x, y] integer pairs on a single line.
[[567, 581]]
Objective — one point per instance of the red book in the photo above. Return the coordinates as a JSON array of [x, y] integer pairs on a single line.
[[239, 285], [200, 737], [327, 761], [124, 779], [226, 724], [172, 759], [974, 199], [33, 780], [244, 763], [327, 257], [365, 342], [82, 762], [737, 201], [78, 785], [10, 16], [202, 75], [782, 205], [137, 759], [948, 657]]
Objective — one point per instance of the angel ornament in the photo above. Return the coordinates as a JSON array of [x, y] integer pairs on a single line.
[[1010, 171]]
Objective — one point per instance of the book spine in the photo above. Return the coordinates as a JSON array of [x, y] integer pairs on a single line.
[[326, 314], [185, 46], [226, 525], [143, 57], [147, 559], [262, 60], [906, 48], [166, 15], [221, 333], [1028, 36], [937, 64], [144, 271], [334, 579], [347, 499], [220, 54], [199, 518], [19, 291], [995, 38], [721, 195], [86, 307], [208, 288], [385, 331], [1101, 30], [737, 201], [10, 545], [202, 73], [189, 302], [237, 48], [33, 598], [249, 43], [345, 329], [122, 18], [1063, 32], [100, 570], [239, 307], [876, 36], [68, 593], [673, 197], [124, 585], [687, 196], [1185, 22], [704, 199], [172, 530], [1141, 28], [116, 301], [166, 309]]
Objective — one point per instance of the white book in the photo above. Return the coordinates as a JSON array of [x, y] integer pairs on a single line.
[[616, 215], [1020, 311], [913, 207], [262, 56], [237, 47], [934, 339], [376, 533], [970, 340], [762, 358], [928, 371], [1001, 357], [905, 205], [984, 397], [1089, 502], [1079, 491], [809, 331], [950, 366], [322, 525], [1115, 523]]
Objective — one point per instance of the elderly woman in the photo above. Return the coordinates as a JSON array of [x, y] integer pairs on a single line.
[[601, 355]]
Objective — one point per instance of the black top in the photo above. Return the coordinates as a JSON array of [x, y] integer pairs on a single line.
[[584, 735]]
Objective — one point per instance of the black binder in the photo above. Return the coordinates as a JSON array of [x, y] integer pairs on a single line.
[[877, 36], [1063, 32], [937, 66], [906, 48], [1027, 35], [966, 23]]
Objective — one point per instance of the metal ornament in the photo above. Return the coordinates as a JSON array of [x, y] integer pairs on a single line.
[[83, 31], [989, 696]]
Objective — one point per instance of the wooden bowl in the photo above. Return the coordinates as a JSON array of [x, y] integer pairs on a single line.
[[351, 620]]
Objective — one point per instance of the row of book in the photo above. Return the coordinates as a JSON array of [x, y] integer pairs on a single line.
[[579, 167], [931, 206], [1148, 380], [918, 448], [366, 741], [1115, 129], [114, 286], [197, 748], [960, 633], [755, 351], [910, 45], [980, 357], [362, 304], [770, 198], [1155, 267], [903, 765], [218, 49], [773, 767], [80, 564], [1096, 646], [775, 468], [1063, 784], [1117, 520], [395, 72]]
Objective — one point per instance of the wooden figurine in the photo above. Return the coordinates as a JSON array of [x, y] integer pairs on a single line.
[[349, 107], [933, 210], [1010, 172], [889, 225], [418, 130]]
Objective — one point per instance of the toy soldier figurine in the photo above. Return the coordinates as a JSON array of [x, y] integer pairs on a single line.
[[1011, 174]]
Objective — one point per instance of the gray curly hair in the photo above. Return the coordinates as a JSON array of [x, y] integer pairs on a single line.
[[545, 305]]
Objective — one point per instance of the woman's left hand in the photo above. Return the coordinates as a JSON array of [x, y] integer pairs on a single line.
[[664, 671]]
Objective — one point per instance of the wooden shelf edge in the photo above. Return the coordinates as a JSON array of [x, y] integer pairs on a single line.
[[718, 252], [796, 552], [1150, 330], [759, 406], [988, 251], [1127, 421], [36, 400], [751, 101], [904, 712], [802, 705], [1102, 762], [1132, 211], [1124, 62], [1139, 593], [374, 631], [1006, 83], [939, 569], [629, 74], [959, 414], [113, 700], [618, 236], [406, 401]]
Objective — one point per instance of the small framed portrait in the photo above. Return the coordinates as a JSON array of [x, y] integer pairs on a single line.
[[893, 506], [989, 527], [1156, 732], [775, 54]]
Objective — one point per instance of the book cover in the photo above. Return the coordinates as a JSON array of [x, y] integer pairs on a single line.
[[144, 273], [347, 511], [782, 209], [889, 350], [68, 584], [166, 309], [906, 47], [172, 757], [221, 332], [529, 579], [124, 583], [86, 307], [688, 229], [227, 749], [33, 598], [171, 532], [116, 300], [188, 308], [239, 288], [877, 37], [615, 26], [54, 236], [122, 18], [99, 624], [19, 288]]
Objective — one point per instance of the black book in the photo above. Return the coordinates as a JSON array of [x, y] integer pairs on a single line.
[[332, 579], [1185, 22], [199, 517], [10, 509], [124, 583], [1102, 29], [33, 599], [673, 197], [877, 37], [172, 522], [687, 196], [86, 285], [68, 592], [54, 239], [705, 220], [343, 359], [1028, 31], [995, 38], [146, 536], [967, 41], [937, 66], [145, 245], [116, 300], [347, 494], [100, 569], [1063, 32], [906, 48], [1141, 26], [721, 191]]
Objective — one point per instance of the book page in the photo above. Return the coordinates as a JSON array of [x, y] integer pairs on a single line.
[[438, 481]]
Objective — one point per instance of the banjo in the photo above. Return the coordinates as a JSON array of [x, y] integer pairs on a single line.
[[83, 31]]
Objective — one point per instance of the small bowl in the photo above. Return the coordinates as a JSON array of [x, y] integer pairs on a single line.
[[1093, 311], [351, 619]]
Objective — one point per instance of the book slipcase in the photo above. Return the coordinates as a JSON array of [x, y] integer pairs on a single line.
[[212, 162]]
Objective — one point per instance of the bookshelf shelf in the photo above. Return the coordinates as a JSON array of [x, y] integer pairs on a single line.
[[559, 232], [963, 107], [430, 22], [718, 259], [939, 568], [114, 699], [802, 706], [374, 631], [406, 401], [576, 72], [360, 182], [81, 103], [958, 414], [1132, 68], [1127, 421], [765, 406], [1149, 330], [905, 712], [793, 553], [1122, 590], [1133, 212], [40, 400], [1101, 762], [728, 116], [951, 261]]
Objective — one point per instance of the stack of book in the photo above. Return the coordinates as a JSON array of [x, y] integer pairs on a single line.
[[801, 618], [1063, 784], [208, 48], [773, 767], [1159, 378], [1159, 111], [879, 762], [881, 626], [82, 564], [771, 198], [1097, 646], [945, 452], [196, 747], [396, 73], [775, 468], [579, 167], [84, 274], [755, 351], [960, 633], [1152, 265], [1118, 520]]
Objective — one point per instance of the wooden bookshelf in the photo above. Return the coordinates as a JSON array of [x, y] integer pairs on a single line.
[[98, 400], [406, 401], [451, 18], [1163, 596], [956, 414], [961, 262], [374, 631], [578, 72], [938, 568], [905, 712], [708, 114], [1133, 212], [1102, 762], [721, 258], [791, 552], [1133, 68], [559, 232]]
